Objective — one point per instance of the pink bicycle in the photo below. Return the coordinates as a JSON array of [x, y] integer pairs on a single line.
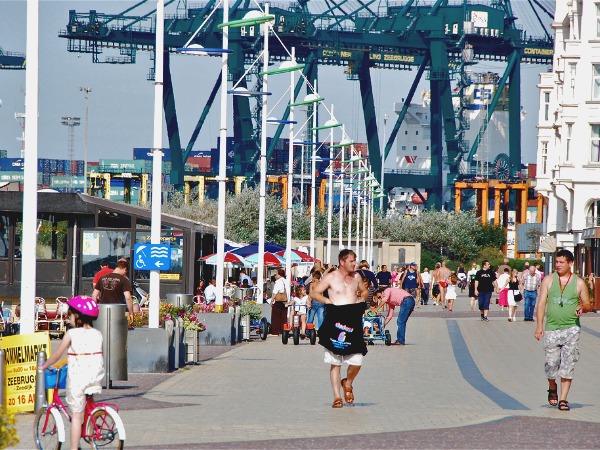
[[102, 426]]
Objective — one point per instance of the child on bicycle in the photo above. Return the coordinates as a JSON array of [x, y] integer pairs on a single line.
[[299, 302], [86, 364]]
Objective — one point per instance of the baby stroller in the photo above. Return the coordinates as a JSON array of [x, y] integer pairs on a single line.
[[376, 330]]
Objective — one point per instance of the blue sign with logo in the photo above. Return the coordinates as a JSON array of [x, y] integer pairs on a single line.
[[152, 256]]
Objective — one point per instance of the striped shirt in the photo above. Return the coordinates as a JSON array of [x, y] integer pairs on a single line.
[[531, 282]]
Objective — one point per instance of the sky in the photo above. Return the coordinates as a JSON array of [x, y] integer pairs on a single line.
[[121, 101]]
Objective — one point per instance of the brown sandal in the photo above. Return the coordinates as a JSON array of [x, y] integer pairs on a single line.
[[348, 394], [337, 403]]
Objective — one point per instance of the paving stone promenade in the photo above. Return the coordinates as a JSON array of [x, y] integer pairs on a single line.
[[459, 383]]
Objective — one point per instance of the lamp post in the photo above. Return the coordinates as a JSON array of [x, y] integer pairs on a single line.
[[222, 165], [155, 223], [86, 91], [313, 176]]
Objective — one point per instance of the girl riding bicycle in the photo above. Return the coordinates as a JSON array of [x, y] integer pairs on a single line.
[[86, 364]]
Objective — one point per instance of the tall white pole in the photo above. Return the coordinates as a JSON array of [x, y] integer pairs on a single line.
[[302, 171], [351, 186], [330, 190], [342, 193], [155, 224], [365, 191], [260, 270], [385, 118], [222, 165], [86, 91], [313, 176], [290, 179], [29, 237], [358, 253]]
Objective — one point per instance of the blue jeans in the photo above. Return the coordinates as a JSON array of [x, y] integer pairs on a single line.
[[529, 297], [406, 309], [316, 310]]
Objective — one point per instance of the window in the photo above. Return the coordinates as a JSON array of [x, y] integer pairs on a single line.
[[544, 154], [592, 218], [51, 239], [417, 133], [595, 144], [546, 106], [569, 133], [404, 148], [572, 75], [406, 133], [414, 148], [4, 237], [597, 19], [596, 81], [103, 244]]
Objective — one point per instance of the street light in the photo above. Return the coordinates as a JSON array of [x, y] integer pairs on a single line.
[[86, 91]]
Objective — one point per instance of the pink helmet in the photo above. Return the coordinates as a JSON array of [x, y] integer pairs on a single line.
[[85, 305]]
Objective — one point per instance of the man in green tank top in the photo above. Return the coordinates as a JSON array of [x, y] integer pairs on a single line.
[[563, 298]]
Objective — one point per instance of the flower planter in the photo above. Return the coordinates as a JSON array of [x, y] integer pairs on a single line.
[[192, 344], [219, 329]]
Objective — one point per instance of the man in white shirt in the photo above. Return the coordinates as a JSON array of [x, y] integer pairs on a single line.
[[244, 276], [426, 279], [210, 292]]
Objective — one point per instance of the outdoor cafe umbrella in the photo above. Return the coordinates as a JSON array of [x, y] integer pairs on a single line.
[[270, 260], [252, 248], [230, 258], [298, 257]]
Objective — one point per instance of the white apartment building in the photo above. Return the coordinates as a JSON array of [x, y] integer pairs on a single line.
[[568, 152]]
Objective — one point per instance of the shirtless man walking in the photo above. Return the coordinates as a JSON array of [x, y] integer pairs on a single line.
[[341, 332], [443, 275]]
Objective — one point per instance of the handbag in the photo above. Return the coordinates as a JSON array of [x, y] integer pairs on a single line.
[[517, 295], [280, 297]]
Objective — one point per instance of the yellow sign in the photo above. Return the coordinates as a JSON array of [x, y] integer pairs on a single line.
[[20, 358], [170, 276]]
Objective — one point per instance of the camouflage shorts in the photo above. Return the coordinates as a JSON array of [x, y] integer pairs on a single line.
[[562, 352]]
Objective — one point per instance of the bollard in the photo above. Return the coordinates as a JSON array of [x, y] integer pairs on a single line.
[[3, 404], [40, 384]]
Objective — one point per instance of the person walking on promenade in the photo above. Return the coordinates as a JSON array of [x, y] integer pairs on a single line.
[[471, 280], [115, 288], [451, 285], [503, 279], [397, 297], [514, 295], [531, 283], [341, 333], [316, 309], [485, 284], [104, 270], [426, 290], [443, 273], [279, 310], [384, 277], [411, 281], [563, 298]]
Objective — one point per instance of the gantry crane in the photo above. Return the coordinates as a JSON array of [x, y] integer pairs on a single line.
[[440, 40]]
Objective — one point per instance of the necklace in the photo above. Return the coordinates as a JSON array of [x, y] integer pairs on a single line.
[[562, 288]]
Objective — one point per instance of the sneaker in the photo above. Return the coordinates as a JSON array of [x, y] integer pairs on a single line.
[[485, 319], [509, 319]]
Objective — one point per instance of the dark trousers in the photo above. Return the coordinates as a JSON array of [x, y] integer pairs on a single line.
[[278, 317]]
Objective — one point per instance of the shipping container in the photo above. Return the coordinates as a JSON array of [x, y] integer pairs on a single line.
[[67, 182], [10, 176], [3, 154], [145, 153], [12, 164], [121, 165]]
